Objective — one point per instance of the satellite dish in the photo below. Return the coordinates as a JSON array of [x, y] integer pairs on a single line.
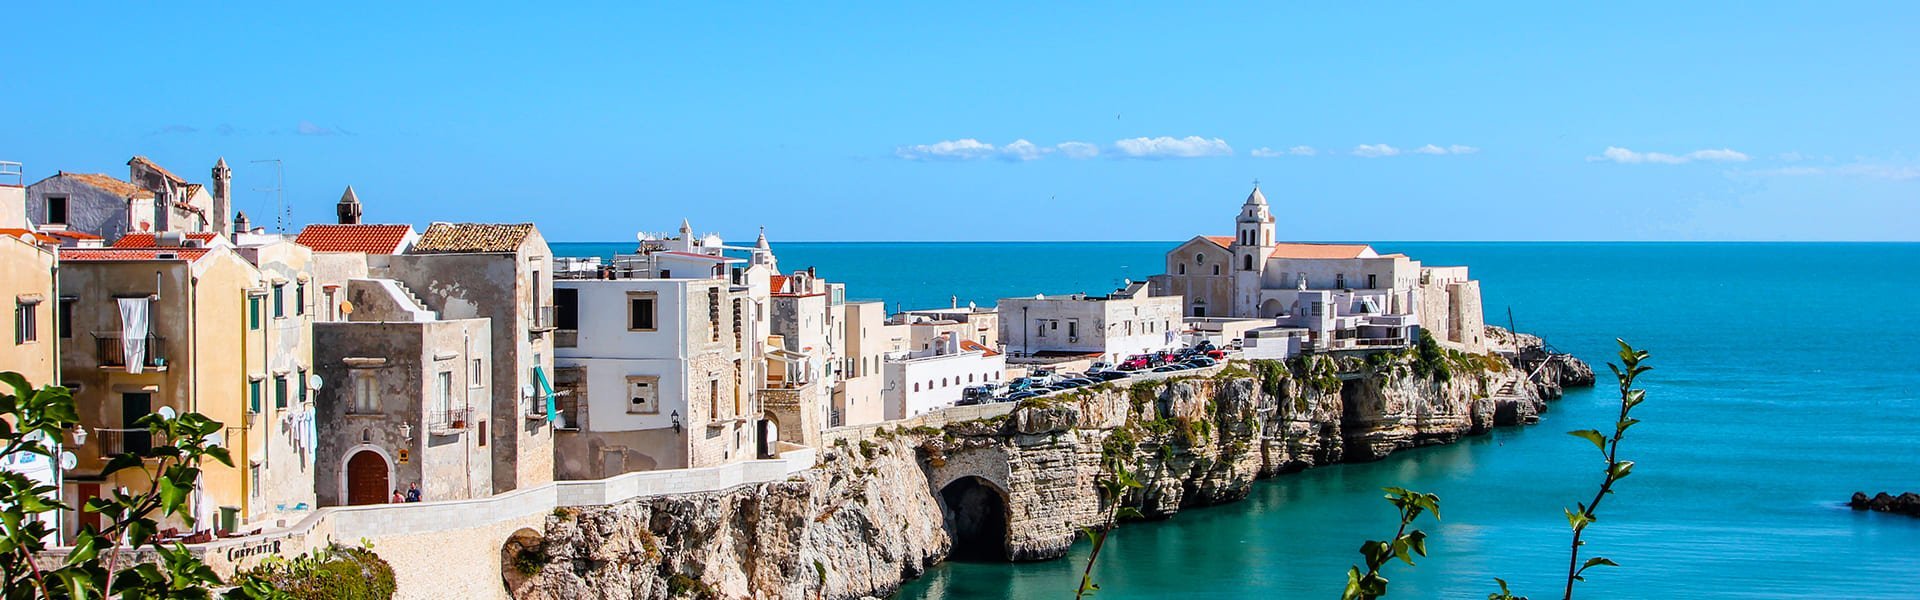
[[167, 412], [346, 308], [217, 439], [68, 461], [313, 381], [526, 391]]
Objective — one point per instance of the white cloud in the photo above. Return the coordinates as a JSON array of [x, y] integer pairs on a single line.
[[961, 149], [1629, 157], [1265, 152], [1375, 150], [1078, 149], [1302, 151], [1459, 149], [1192, 146], [1429, 149], [1437, 150], [1022, 150]]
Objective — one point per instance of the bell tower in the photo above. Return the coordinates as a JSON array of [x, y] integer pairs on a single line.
[[222, 197], [1252, 244]]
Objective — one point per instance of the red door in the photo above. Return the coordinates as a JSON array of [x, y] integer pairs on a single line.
[[367, 479], [88, 491]]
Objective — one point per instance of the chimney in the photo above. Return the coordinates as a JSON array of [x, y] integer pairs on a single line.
[[240, 225], [349, 208], [222, 197]]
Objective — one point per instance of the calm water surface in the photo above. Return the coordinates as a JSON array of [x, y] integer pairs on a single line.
[[1787, 376]]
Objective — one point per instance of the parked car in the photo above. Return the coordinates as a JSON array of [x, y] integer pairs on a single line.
[[1143, 361], [1166, 369], [1018, 396], [1098, 366], [978, 394], [1079, 382], [1111, 375], [1202, 361]]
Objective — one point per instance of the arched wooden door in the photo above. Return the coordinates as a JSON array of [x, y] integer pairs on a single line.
[[367, 479]]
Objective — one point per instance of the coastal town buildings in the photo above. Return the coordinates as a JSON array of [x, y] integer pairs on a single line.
[[194, 328], [31, 340], [807, 346], [504, 273], [858, 394], [349, 249], [980, 325], [151, 199], [406, 403], [1344, 295], [1078, 326], [922, 381]]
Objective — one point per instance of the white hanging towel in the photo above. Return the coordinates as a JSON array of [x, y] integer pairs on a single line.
[[133, 332]]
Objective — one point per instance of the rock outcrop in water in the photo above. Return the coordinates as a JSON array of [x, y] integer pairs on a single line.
[[880, 510], [1904, 504]]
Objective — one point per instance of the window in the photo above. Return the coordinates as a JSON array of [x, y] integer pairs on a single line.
[[643, 395], [1216, 269], [279, 391], [1183, 269], [65, 318], [26, 322], [301, 384], [713, 314], [254, 395], [1318, 309], [1073, 329], [476, 373], [56, 210], [483, 434], [640, 312], [279, 300], [253, 312], [736, 325], [1246, 263], [566, 308], [1199, 259], [443, 385], [713, 398], [300, 298], [1371, 283], [916, 386], [1340, 281], [366, 399]]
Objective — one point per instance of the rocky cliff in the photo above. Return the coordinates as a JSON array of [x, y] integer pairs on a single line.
[[880, 509]]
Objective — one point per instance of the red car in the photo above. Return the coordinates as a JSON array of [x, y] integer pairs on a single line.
[[1142, 361]]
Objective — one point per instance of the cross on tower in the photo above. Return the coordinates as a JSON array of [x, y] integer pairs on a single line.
[[1256, 182]]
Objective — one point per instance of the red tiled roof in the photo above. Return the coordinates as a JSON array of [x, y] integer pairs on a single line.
[[130, 254], [21, 233], [364, 238], [108, 183], [1300, 250], [142, 160], [777, 283], [149, 240], [71, 234], [973, 346], [472, 237]]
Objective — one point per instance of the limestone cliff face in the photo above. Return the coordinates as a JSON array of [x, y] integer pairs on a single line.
[[1020, 486]]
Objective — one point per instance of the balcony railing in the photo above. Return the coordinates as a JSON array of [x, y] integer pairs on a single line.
[[543, 318], [444, 422], [111, 350]]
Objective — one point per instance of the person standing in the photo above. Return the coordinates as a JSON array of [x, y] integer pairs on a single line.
[[413, 492], [397, 498]]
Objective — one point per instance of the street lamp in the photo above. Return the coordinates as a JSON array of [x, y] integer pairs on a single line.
[[675, 418], [79, 435]]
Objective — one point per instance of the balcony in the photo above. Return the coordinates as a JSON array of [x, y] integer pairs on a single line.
[[543, 319], [111, 350], [449, 422]]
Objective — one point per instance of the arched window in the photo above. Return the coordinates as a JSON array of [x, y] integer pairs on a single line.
[[1183, 269], [916, 387], [1246, 263], [1199, 258]]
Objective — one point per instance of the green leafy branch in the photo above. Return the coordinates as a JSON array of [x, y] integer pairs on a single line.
[[1113, 492], [1585, 514], [1404, 545]]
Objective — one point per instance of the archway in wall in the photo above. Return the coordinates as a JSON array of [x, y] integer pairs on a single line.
[[769, 435], [368, 481], [976, 518], [1272, 308]]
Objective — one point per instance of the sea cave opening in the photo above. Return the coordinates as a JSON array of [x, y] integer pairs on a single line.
[[976, 517]]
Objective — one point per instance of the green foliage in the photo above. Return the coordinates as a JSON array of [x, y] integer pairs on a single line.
[[1431, 360], [30, 421], [1114, 487], [336, 573], [820, 571], [681, 584], [1119, 445], [1405, 544], [869, 449], [1318, 371], [1273, 377]]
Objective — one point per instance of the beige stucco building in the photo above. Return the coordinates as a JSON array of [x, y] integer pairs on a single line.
[[30, 342]]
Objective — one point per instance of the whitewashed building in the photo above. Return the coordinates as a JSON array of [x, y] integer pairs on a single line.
[[1108, 328], [922, 381]]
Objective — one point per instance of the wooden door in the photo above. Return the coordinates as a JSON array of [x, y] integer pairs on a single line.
[[88, 491], [367, 479], [133, 406]]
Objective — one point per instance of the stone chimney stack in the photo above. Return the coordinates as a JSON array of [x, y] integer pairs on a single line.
[[222, 197], [240, 225], [349, 208]]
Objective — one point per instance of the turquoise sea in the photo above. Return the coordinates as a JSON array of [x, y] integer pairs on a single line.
[[1786, 377]]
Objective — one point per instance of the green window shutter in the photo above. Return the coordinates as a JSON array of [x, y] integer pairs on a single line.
[[253, 312], [253, 395], [280, 391], [279, 300], [301, 384]]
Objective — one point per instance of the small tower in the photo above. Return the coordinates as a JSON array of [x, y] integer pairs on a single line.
[[240, 225], [222, 197], [1252, 244], [1254, 223], [349, 208]]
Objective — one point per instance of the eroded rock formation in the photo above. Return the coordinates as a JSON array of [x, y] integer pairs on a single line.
[[880, 510]]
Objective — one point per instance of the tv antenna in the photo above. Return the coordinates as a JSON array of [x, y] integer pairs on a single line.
[[279, 191]]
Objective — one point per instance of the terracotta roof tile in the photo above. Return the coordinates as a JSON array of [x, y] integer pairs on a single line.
[[130, 254], [1300, 250], [1220, 240], [150, 240], [22, 233], [777, 284], [142, 160], [973, 346], [70, 234], [108, 183], [364, 238], [471, 237]]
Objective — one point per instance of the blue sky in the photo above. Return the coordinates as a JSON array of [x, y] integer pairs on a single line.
[[1622, 121]]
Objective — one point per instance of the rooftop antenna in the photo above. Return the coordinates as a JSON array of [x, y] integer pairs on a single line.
[[279, 191]]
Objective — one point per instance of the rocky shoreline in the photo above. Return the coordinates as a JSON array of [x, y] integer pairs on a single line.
[[879, 511]]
